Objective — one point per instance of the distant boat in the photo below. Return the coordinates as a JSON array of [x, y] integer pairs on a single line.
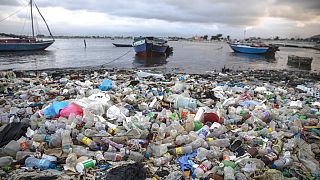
[[254, 48], [150, 46], [24, 43], [122, 45]]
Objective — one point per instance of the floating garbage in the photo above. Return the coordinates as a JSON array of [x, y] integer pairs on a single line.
[[145, 125]]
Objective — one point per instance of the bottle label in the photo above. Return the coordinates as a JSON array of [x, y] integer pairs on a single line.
[[203, 167], [179, 150], [86, 140], [88, 163]]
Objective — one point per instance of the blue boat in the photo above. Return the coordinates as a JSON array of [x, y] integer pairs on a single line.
[[150, 46], [24, 43], [254, 49]]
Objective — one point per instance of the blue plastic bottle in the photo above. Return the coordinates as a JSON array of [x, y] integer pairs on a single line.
[[39, 163]]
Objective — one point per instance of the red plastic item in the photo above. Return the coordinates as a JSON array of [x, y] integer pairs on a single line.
[[72, 108], [212, 117]]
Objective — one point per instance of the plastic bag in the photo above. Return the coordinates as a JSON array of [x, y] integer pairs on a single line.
[[106, 85], [72, 108]]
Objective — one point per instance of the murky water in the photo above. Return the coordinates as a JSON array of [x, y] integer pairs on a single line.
[[192, 57]]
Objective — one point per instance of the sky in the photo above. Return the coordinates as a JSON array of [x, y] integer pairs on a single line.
[[186, 18]]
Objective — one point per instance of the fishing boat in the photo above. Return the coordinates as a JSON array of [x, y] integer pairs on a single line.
[[25, 43], [150, 46], [122, 45], [254, 48]]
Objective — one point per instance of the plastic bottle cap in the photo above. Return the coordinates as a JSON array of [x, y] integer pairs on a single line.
[[193, 176], [273, 166]]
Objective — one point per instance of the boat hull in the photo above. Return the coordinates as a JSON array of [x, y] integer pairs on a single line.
[[33, 46], [144, 48], [250, 50], [122, 45]]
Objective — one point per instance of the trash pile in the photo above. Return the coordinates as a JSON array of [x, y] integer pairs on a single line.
[[138, 125]]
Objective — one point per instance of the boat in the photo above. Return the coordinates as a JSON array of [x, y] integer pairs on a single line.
[[252, 48], [122, 45], [150, 46], [25, 43]]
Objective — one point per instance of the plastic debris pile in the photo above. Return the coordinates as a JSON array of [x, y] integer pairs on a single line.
[[138, 125]]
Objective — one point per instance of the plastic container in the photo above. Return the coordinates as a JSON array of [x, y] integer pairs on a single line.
[[90, 163]]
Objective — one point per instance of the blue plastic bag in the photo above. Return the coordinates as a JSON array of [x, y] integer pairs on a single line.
[[106, 85], [54, 109]]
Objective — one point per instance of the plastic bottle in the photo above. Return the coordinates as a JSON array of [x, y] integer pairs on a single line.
[[283, 162], [39, 163], [202, 154], [21, 154], [220, 143], [277, 146], [181, 150], [55, 140], [187, 103], [136, 156], [12, 148], [110, 156], [183, 139], [228, 173], [87, 141], [162, 160], [202, 168], [99, 157], [82, 151], [71, 162], [189, 125], [197, 143], [90, 163], [159, 150], [66, 141], [111, 143], [204, 131], [6, 161]]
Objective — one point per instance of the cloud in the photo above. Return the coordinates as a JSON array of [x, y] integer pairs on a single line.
[[186, 16]]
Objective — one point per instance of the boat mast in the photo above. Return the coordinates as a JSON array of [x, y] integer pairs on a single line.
[[32, 19]]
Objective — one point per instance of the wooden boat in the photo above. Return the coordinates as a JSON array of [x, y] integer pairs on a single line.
[[23, 43], [254, 48], [150, 46], [122, 45]]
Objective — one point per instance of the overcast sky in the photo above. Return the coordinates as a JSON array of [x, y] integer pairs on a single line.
[[267, 18]]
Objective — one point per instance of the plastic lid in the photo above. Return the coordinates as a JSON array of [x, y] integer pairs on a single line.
[[273, 166]]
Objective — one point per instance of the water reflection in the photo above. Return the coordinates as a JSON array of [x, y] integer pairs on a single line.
[[145, 61], [25, 57], [253, 57]]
